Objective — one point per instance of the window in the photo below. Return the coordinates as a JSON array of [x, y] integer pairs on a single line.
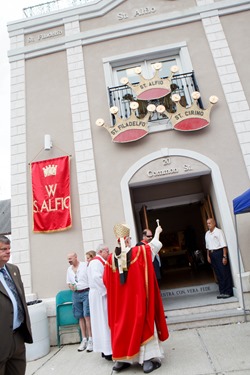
[[147, 70], [123, 65]]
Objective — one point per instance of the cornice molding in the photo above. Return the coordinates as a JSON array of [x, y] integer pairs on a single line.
[[123, 29], [59, 17]]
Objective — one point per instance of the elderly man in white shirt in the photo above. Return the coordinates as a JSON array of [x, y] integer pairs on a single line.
[[77, 281], [98, 303], [217, 256]]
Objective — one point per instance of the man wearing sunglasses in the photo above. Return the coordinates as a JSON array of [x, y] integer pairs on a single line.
[[147, 239]]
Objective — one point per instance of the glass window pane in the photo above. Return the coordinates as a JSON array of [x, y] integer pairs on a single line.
[[129, 73], [147, 70], [166, 66]]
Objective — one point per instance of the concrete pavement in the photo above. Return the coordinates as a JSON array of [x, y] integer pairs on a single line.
[[220, 350]]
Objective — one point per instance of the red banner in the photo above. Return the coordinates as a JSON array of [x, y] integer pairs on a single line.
[[51, 195]]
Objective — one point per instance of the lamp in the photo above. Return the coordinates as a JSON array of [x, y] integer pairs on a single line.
[[47, 142]]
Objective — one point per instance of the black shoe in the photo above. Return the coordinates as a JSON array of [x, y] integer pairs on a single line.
[[119, 366], [108, 357], [149, 366], [227, 296], [220, 296]]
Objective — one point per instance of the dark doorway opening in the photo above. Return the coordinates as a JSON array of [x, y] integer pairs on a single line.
[[183, 255], [182, 208]]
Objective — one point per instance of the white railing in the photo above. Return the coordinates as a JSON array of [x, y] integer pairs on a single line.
[[55, 5]]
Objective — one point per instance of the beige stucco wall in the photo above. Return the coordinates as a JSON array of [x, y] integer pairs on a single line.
[[217, 141], [238, 36], [49, 112], [130, 11]]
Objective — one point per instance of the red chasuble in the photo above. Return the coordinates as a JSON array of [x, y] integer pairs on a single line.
[[134, 307]]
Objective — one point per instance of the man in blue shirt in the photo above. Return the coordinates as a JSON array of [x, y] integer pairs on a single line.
[[15, 325]]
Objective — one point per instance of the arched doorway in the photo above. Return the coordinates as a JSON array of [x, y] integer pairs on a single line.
[[171, 182]]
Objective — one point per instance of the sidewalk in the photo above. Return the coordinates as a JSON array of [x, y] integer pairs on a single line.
[[221, 350]]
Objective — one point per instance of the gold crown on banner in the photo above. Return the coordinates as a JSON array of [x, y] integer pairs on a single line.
[[189, 118], [128, 129], [50, 170], [153, 88], [121, 231]]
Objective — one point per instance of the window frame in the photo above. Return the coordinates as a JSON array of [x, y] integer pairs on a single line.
[[156, 54]]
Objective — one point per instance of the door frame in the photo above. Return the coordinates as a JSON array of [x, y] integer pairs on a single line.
[[219, 189]]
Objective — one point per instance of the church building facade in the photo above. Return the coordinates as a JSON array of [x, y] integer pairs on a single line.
[[149, 102]]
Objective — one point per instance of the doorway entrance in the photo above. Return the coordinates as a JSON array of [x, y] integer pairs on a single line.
[[183, 255], [182, 208], [171, 177]]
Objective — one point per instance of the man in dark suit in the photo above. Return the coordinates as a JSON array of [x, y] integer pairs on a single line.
[[15, 325]]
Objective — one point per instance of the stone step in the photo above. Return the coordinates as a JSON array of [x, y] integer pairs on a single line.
[[198, 306], [207, 319]]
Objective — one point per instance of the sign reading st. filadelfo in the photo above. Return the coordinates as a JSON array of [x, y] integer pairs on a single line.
[[128, 131], [42, 36]]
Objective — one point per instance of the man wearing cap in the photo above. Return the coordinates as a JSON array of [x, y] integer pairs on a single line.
[[135, 311]]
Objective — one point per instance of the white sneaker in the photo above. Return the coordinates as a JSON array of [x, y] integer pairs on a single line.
[[90, 346], [82, 346]]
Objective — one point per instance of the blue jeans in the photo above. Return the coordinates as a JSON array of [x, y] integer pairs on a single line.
[[81, 304]]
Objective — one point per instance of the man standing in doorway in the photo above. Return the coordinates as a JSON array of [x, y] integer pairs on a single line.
[[217, 256], [77, 281], [146, 239], [15, 325], [98, 303]]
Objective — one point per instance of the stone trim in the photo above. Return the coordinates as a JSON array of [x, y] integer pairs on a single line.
[[230, 81], [85, 165], [155, 22], [19, 202]]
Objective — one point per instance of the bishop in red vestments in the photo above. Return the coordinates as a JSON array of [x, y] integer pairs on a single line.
[[135, 311]]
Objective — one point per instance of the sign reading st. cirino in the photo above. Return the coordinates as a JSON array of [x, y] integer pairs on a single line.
[[51, 195]]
